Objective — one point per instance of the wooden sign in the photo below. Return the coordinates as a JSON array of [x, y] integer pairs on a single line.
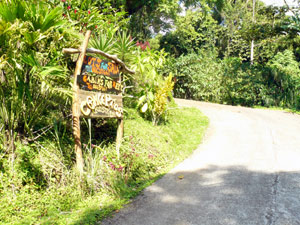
[[98, 104], [95, 82], [100, 89], [101, 67], [97, 91]]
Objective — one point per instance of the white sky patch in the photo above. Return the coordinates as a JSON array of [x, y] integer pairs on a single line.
[[291, 3], [183, 12], [279, 2]]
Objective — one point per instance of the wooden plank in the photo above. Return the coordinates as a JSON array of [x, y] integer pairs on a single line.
[[100, 105], [104, 84], [75, 111]]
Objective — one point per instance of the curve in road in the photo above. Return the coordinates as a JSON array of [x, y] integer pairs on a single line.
[[246, 171]]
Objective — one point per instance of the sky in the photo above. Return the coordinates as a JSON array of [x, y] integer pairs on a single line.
[[277, 2]]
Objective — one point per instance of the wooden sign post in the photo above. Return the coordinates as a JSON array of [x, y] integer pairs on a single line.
[[75, 111], [97, 92]]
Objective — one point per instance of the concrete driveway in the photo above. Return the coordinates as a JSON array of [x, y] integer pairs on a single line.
[[246, 171]]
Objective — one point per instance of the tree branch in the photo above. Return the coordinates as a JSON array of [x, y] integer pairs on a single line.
[[290, 9]]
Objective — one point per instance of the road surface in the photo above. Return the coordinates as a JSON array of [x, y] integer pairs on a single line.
[[246, 171]]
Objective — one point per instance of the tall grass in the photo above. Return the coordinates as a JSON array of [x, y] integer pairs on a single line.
[[47, 189]]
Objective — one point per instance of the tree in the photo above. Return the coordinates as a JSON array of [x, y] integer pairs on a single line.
[[149, 19], [252, 42], [193, 31]]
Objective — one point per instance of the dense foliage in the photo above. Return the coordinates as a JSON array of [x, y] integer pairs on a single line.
[[232, 52], [37, 175], [204, 77]]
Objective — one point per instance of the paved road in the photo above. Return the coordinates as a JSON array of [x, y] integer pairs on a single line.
[[246, 171]]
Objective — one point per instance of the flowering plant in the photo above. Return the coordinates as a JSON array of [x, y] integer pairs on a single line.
[[90, 15]]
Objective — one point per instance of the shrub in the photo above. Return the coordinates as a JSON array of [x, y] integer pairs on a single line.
[[230, 81], [242, 83], [198, 76], [285, 77]]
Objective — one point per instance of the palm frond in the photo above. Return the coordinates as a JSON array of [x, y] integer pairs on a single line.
[[103, 42], [11, 10], [124, 46], [52, 19]]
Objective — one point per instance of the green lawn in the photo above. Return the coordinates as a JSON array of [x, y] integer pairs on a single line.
[[147, 153]]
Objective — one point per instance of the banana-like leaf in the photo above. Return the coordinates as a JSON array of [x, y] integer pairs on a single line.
[[144, 108], [151, 96], [141, 100]]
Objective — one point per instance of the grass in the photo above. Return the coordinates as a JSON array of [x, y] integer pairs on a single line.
[[279, 108], [147, 153]]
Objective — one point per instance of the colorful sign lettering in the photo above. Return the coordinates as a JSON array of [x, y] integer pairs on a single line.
[[100, 89], [97, 104], [100, 67], [94, 82]]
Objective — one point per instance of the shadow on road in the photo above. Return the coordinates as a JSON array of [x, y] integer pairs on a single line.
[[215, 195]]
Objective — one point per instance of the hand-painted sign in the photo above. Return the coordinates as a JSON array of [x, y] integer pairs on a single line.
[[101, 67], [99, 89], [97, 104], [94, 82]]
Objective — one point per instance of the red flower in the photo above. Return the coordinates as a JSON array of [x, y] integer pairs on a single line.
[[75, 11], [96, 26], [63, 0], [69, 7], [120, 168], [150, 156], [112, 166], [89, 12], [142, 45]]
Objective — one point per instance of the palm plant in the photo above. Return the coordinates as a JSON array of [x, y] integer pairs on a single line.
[[31, 33], [104, 42]]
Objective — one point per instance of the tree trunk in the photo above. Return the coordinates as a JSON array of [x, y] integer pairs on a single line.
[[252, 42], [252, 52]]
